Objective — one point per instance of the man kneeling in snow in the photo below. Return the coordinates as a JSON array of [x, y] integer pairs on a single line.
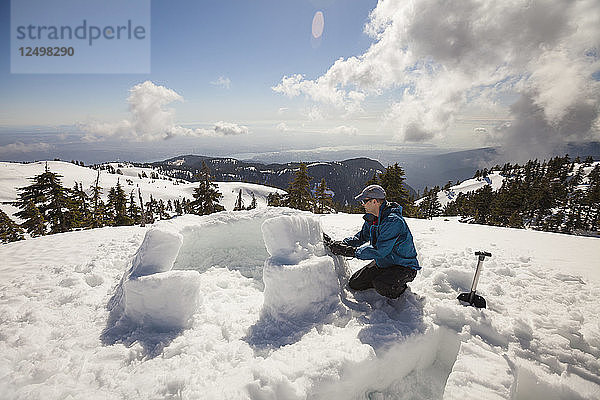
[[391, 246]]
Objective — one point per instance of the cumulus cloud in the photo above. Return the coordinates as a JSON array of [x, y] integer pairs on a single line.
[[20, 147], [314, 113], [282, 127], [222, 82], [344, 130], [150, 119], [443, 56], [227, 128]]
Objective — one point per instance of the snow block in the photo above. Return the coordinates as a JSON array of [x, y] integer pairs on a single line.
[[480, 372], [290, 239], [157, 252], [150, 293], [165, 300], [300, 280]]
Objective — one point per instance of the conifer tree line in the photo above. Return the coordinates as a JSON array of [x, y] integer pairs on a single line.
[[554, 195], [299, 194], [320, 201]]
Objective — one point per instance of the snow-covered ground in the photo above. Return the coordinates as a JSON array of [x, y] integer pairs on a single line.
[[16, 175], [196, 307]]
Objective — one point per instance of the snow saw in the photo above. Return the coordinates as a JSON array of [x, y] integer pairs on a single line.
[[472, 298]]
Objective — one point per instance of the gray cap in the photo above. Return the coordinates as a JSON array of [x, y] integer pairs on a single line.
[[371, 192]]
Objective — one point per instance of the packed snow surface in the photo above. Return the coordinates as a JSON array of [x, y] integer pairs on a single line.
[[218, 307]]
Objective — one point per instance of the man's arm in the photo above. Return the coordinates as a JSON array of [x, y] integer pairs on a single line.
[[392, 231], [356, 240]]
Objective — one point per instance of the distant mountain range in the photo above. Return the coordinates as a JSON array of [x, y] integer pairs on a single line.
[[344, 178], [426, 169]]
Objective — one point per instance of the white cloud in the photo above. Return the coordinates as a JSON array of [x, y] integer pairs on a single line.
[[20, 147], [442, 56], [282, 127], [227, 128], [314, 113], [223, 82], [480, 130], [344, 130], [150, 119]]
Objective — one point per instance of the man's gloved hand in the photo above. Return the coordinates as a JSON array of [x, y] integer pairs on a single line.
[[337, 247], [342, 249]]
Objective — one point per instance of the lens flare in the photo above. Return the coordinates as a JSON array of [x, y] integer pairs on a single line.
[[318, 24]]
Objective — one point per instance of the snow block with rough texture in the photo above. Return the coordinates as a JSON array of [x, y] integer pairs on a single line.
[[290, 239], [480, 372], [152, 295], [157, 252], [163, 300], [300, 281]]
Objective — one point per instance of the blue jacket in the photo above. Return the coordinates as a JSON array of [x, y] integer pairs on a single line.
[[391, 242]]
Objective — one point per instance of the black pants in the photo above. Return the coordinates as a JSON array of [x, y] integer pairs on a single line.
[[389, 282]]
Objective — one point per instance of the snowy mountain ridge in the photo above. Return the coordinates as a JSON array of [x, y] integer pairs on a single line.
[[161, 187]]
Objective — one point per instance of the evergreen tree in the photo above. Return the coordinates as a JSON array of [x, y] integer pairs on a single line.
[[323, 198], [133, 211], [239, 203], [34, 224], [178, 207], [593, 199], [482, 202], [588, 161], [162, 210], [299, 190], [142, 213], [117, 206], [252, 205], [392, 180], [373, 181], [206, 195], [274, 200], [430, 206], [51, 200], [80, 207], [97, 212], [9, 230], [151, 207]]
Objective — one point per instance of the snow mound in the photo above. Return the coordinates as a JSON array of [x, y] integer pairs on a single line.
[[301, 283]]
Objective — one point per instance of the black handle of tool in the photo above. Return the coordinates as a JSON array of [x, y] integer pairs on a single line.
[[483, 254]]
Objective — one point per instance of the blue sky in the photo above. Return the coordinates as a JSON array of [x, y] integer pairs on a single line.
[[252, 43], [231, 77]]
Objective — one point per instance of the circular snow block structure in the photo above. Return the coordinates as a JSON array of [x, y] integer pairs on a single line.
[[301, 284]]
